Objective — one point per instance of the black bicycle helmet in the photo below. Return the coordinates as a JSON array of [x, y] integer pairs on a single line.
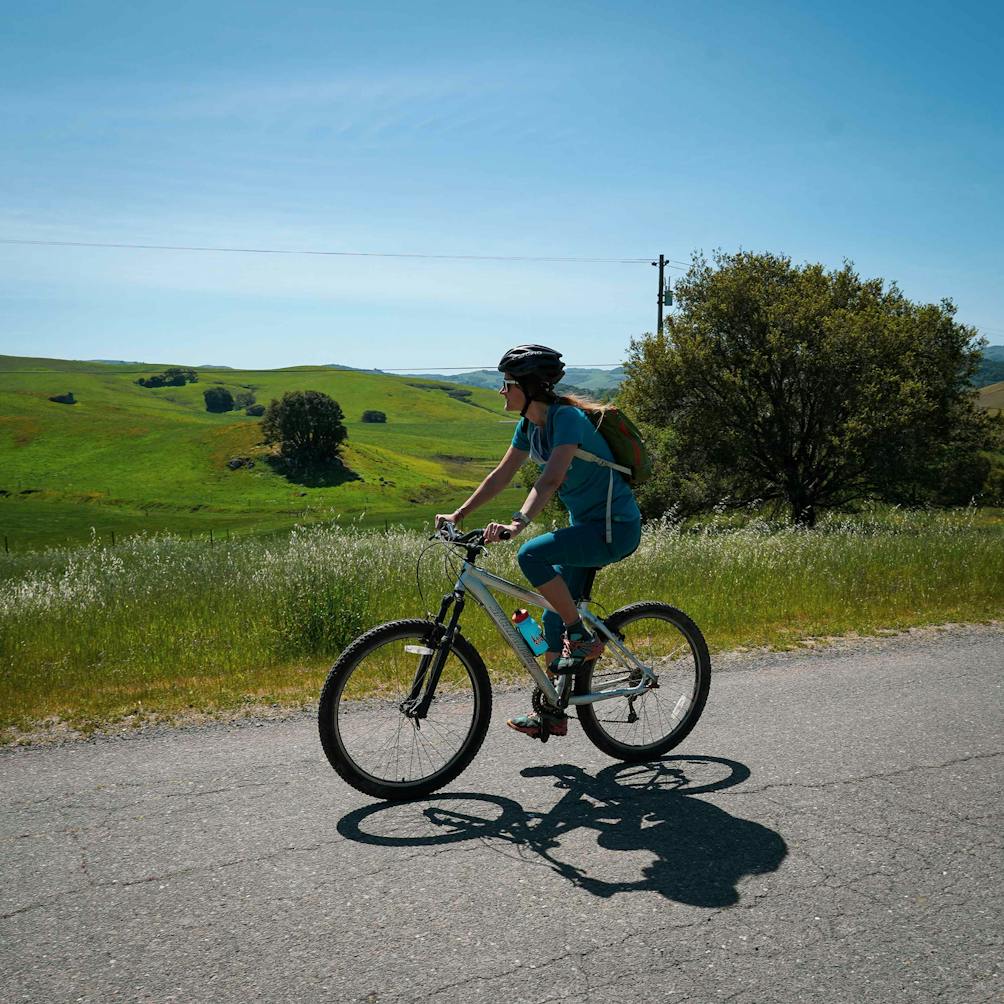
[[536, 368], [536, 361]]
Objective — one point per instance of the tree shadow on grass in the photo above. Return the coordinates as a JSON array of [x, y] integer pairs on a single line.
[[698, 853], [327, 474]]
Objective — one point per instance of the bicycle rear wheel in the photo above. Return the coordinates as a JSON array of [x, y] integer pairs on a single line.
[[372, 743], [669, 643]]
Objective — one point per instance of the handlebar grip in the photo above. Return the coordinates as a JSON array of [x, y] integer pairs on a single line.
[[505, 535]]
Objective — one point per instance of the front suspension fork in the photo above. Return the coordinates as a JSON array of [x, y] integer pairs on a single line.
[[423, 688]]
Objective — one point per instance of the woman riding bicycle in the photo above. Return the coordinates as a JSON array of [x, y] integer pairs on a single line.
[[605, 520]]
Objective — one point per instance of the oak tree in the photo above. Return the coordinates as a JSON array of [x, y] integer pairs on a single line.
[[807, 388]]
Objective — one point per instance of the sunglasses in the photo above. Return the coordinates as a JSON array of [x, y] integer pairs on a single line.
[[506, 384]]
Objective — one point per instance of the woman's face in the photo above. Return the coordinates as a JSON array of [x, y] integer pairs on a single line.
[[513, 395]]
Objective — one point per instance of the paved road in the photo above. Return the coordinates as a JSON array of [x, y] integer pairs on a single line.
[[830, 832]]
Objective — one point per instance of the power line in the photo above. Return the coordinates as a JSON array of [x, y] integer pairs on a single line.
[[334, 254]]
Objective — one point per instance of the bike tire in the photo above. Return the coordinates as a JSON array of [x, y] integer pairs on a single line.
[[464, 668], [685, 678]]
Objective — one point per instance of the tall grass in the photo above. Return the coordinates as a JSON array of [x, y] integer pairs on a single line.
[[161, 625]]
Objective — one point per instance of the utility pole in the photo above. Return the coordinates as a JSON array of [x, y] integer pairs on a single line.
[[665, 297]]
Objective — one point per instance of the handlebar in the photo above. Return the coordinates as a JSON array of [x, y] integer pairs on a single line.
[[473, 538]]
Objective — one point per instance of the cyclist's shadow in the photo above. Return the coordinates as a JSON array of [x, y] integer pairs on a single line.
[[699, 851]]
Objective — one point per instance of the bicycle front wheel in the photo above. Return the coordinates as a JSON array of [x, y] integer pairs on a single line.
[[641, 728], [372, 743]]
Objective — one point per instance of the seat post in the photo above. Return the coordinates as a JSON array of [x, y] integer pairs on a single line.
[[587, 586]]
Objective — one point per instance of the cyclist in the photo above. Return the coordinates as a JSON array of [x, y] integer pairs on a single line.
[[604, 517]]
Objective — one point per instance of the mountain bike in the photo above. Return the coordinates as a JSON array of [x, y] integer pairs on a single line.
[[406, 706]]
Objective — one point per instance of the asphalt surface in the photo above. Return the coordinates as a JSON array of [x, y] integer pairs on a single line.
[[831, 831]]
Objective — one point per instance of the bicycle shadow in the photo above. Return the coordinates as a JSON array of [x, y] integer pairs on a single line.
[[699, 852]]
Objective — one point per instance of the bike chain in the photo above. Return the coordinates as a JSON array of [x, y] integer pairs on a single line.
[[545, 712]]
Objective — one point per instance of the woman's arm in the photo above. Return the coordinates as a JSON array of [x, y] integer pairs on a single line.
[[540, 494], [494, 483]]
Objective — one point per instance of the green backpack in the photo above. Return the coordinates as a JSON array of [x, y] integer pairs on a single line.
[[631, 458], [626, 444]]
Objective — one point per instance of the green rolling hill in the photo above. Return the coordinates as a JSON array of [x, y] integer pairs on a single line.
[[126, 458]]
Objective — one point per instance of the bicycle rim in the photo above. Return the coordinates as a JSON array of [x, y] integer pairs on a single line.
[[382, 744], [671, 646]]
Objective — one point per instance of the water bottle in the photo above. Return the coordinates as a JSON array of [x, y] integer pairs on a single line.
[[531, 631]]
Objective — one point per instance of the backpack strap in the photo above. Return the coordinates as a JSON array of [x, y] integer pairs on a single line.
[[594, 459]]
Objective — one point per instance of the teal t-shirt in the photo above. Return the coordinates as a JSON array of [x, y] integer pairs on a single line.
[[584, 490]]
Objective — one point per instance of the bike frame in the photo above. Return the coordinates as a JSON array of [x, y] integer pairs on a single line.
[[477, 583]]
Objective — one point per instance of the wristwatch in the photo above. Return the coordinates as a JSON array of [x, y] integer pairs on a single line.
[[521, 518]]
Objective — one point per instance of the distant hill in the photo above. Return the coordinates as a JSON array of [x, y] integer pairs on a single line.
[[992, 368], [125, 458], [582, 378]]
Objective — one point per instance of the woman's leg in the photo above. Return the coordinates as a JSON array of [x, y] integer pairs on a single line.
[[548, 562], [556, 564], [573, 578]]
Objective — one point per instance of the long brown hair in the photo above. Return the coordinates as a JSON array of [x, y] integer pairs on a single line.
[[588, 405]]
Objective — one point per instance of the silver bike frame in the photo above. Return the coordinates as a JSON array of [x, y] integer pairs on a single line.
[[477, 582]]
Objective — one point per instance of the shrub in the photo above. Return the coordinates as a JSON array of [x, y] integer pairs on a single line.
[[255, 410], [993, 486], [66, 398], [243, 399], [173, 376], [218, 399], [374, 416]]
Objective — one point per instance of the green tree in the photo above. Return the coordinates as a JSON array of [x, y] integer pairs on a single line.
[[807, 389], [218, 399], [307, 425]]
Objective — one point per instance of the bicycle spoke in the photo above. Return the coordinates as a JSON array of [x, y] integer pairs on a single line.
[[380, 739], [654, 639]]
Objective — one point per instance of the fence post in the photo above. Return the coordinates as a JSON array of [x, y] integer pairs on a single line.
[[210, 537], [113, 538], [6, 549]]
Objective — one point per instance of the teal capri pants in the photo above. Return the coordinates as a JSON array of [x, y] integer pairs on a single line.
[[570, 552]]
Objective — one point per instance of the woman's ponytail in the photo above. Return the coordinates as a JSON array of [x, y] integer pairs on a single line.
[[589, 406]]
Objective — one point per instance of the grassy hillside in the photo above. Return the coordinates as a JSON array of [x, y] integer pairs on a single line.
[[992, 397], [126, 458]]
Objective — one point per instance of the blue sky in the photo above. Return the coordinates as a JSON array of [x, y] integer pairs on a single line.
[[615, 130]]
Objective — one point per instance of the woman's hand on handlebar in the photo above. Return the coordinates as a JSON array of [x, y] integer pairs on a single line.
[[493, 532], [453, 517]]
